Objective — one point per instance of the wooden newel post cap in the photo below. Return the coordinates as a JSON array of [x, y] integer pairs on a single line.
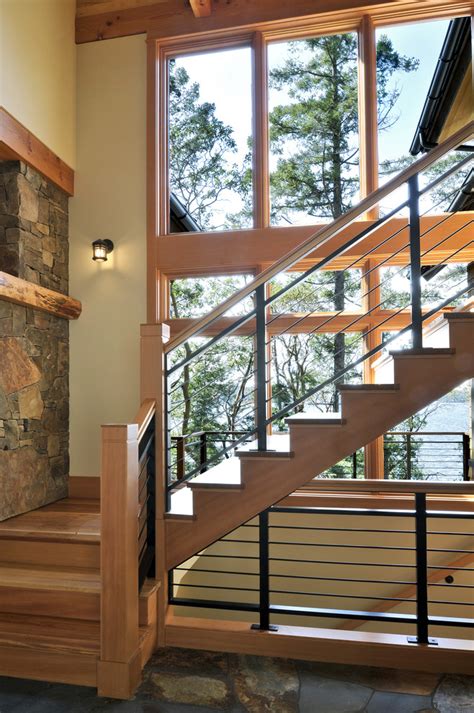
[[158, 330]]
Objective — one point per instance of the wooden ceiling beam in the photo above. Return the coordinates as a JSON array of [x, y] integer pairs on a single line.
[[162, 19], [201, 8]]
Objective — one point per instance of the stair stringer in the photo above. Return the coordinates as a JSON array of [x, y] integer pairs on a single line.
[[422, 378]]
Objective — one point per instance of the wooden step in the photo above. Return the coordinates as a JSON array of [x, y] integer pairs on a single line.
[[459, 316], [64, 533], [431, 352], [278, 446], [49, 649], [306, 419], [369, 388], [67, 593], [50, 591]]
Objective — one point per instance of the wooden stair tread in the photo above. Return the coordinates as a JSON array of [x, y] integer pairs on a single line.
[[425, 352], [65, 520], [278, 446], [368, 387], [56, 578], [462, 316], [308, 418]]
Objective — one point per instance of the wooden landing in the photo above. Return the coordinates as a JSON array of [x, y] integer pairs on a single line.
[[65, 520]]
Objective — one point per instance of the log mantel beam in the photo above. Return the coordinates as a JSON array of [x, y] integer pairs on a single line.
[[21, 292]]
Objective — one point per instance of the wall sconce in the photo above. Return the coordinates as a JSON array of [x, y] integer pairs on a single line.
[[100, 250]]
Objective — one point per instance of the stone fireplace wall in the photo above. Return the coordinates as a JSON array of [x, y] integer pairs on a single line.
[[34, 346]]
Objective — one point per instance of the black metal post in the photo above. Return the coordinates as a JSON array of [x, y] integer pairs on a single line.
[[415, 262], [354, 465], [260, 371], [167, 438], [264, 572], [466, 455], [203, 452], [408, 456], [421, 570]]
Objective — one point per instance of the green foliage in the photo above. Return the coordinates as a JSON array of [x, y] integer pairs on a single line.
[[201, 150]]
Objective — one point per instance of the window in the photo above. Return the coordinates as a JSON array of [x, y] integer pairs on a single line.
[[210, 128], [313, 118]]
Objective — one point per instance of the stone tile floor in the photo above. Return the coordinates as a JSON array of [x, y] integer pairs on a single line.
[[184, 681]]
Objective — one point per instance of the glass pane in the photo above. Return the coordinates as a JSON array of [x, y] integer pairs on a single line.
[[210, 126], [407, 56], [197, 296], [313, 115]]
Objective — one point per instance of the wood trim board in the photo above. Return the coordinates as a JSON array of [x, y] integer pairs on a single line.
[[17, 143], [311, 644]]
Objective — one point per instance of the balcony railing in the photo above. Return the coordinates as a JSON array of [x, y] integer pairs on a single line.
[[409, 568]]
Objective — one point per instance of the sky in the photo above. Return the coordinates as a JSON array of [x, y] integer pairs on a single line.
[[225, 79]]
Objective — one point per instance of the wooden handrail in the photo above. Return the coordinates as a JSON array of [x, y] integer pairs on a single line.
[[324, 234], [145, 414], [343, 485]]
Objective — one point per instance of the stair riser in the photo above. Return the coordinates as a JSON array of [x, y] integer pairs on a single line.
[[462, 335], [433, 375], [353, 404], [53, 666], [44, 553], [50, 602]]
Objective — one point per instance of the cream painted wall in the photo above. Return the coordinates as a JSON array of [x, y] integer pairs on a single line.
[[109, 202], [38, 70]]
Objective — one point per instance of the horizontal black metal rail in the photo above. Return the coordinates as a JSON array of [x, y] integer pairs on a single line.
[[260, 570]]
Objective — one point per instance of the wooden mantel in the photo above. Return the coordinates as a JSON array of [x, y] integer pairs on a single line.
[[17, 143], [27, 294]]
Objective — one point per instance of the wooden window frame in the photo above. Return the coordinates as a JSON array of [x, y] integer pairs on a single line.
[[257, 37]]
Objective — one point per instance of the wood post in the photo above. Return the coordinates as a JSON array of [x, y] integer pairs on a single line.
[[119, 667], [374, 452], [152, 386]]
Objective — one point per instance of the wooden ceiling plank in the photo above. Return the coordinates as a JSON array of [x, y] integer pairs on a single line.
[[201, 8], [172, 18]]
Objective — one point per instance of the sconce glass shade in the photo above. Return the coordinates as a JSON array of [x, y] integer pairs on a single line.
[[100, 250]]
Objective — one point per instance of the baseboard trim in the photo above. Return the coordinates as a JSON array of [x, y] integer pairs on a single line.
[[324, 645], [87, 487]]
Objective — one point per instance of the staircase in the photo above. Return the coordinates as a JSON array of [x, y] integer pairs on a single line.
[[83, 587], [232, 493], [50, 590]]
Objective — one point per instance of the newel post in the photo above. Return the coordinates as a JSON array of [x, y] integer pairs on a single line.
[[152, 386], [119, 669]]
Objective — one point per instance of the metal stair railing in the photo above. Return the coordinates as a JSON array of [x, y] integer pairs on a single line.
[[258, 328]]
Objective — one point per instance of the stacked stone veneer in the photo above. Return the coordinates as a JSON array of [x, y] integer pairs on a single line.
[[34, 346]]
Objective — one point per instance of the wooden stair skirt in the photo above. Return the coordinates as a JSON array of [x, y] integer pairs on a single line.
[[50, 596]]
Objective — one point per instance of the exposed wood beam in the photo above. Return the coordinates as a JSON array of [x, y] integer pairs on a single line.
[[171, 18], [19, 144], [326, 322], [20, 292], [201, 8], [243, 250]]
